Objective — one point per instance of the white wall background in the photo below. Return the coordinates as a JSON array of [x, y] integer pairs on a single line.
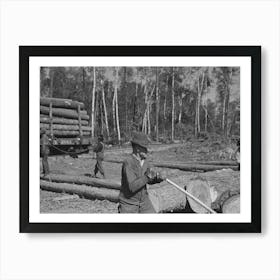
[[139, 256]]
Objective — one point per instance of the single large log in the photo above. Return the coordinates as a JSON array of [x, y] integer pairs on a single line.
[[182, 166], [61, 103], [219, 162], [67, 133], [65, 113], [83, 180], [193, 166], [45, 119], [65, 127], [88, 192]]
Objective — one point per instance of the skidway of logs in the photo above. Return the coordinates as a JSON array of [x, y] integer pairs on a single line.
[[164, 197]]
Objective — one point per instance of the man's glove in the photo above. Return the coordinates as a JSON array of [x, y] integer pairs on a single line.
[[153, 176], [161, 177]]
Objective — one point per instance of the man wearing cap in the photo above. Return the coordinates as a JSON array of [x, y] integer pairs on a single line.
[[44, 151], [136, 174], [99, 150]]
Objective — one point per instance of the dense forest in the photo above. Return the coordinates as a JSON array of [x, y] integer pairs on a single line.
[[167, 103]]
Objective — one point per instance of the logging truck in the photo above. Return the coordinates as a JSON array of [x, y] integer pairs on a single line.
[[67, 126]]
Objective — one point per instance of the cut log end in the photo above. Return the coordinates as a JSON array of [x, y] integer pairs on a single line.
[[199, 188], [232, 204]]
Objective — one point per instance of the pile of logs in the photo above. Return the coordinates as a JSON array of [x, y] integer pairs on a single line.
[[164, 197], [64, 117]]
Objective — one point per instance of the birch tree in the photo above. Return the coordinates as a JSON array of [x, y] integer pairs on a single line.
[[116, 103], [157, 103], [227, 75], [105, 109], [173, 105], [93, 102]]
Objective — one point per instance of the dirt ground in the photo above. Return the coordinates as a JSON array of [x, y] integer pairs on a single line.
[[51, 202]]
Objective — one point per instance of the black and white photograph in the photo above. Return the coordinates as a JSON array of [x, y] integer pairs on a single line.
[[140, 139], [160, 135]]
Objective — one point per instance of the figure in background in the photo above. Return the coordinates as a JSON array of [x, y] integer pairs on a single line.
[[44, 151], [136, 174], [237, 153], [99, 150]]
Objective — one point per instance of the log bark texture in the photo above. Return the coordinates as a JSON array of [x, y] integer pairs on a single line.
[[88, 192], [65, 113], [193, 166], [83, 180], [67, 133], [183, 166], [61, 103], [65, 127], [45, 119], [166, 198], [218, 162]]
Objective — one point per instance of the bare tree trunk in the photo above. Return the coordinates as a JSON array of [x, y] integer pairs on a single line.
[[114, 112], [206, 109], [93, 103], [101, 114], [157, 102], [227, 106], [135, 111], [198, 108], [180, 108], [117, 105], [97, 112], [165, 97], [199, 89], [228, 76], [208, 117], [223, 118], [144, 127], [144, 123], [195, 119], [173, 105], [105, 110], [148, 117], [125, 89], [150, 98]]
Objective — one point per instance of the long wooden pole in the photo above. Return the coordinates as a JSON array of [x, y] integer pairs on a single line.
[[191, 196]]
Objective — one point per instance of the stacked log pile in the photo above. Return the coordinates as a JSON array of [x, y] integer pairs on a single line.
[[164, 197], [64, 117]]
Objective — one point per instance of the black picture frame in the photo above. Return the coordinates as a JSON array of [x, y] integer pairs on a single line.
[[254, 52]]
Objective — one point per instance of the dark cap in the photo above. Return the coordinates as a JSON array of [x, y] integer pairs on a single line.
[[140, 139], [100, 137]]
